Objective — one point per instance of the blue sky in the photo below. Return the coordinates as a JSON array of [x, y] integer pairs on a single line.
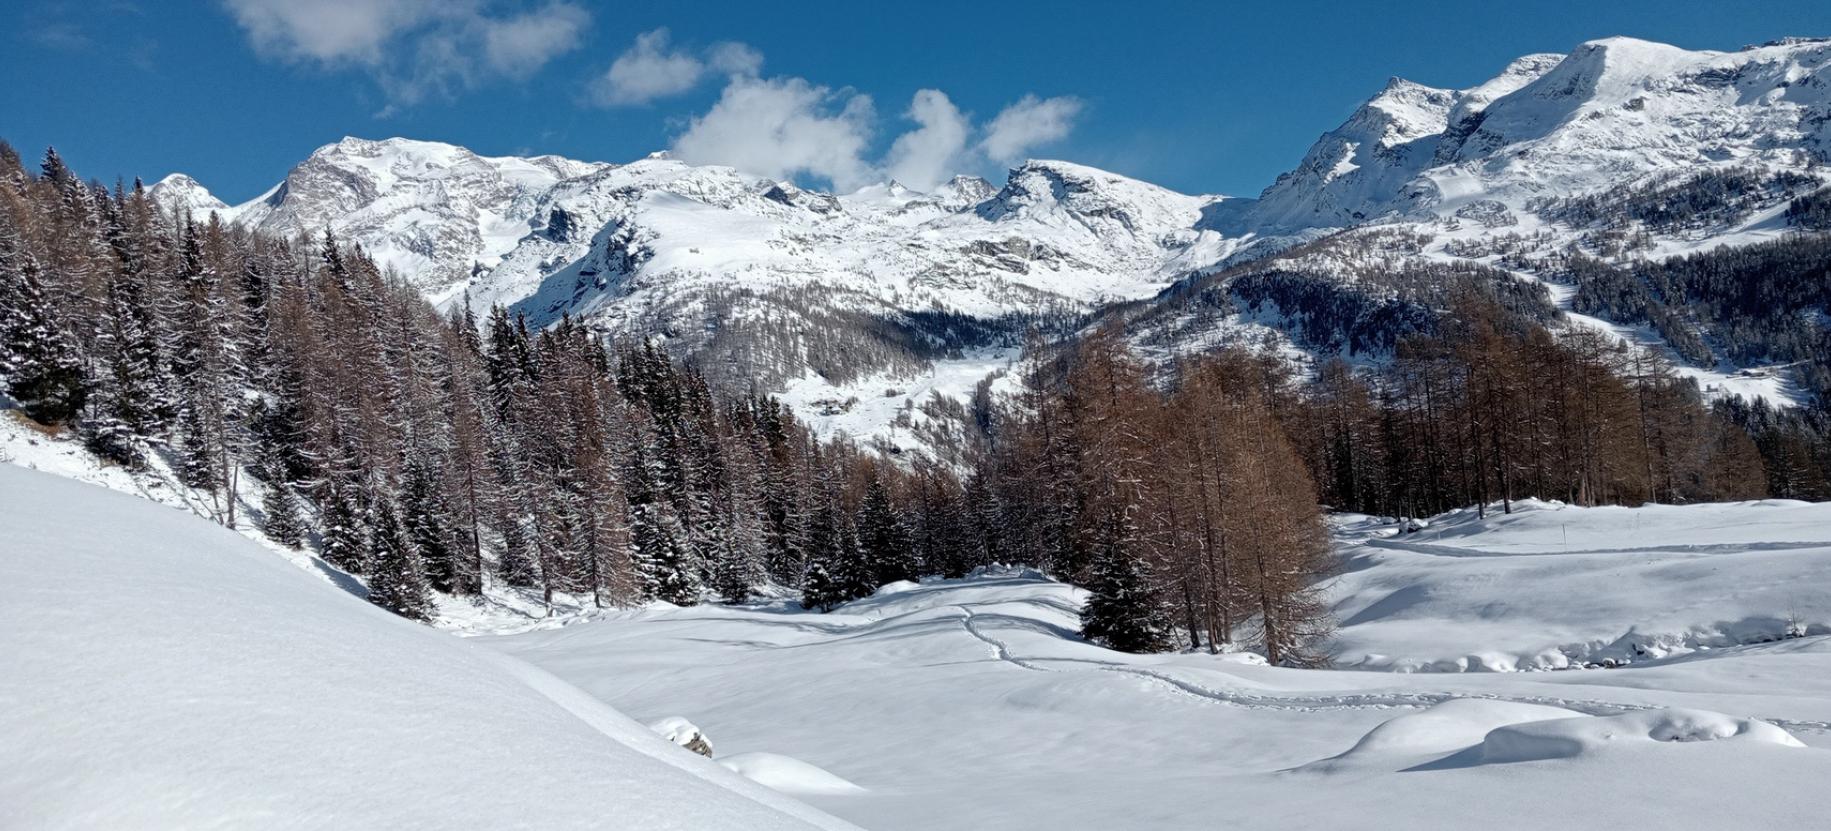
[[1198, 96]]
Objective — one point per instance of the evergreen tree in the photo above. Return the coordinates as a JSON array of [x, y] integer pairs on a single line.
[[884, 542], [820, 590], [1122, 611], [39, 360], [397, 581], [345, 533], [281, 518], [670, 566], [514, 563], [428, 519]]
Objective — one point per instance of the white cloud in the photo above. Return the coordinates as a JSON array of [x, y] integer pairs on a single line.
[[1027, 124], [734, 58], [651, 69], [519, 46], [413, 47], [783, 128], [928, 155]]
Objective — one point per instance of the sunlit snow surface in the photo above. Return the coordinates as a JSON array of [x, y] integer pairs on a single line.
[[149, 652], [161, 672], [972, 703]]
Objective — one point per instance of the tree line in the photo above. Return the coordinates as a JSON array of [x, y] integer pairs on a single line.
[[432, 455]]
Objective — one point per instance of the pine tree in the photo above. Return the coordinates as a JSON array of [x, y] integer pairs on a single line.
[[820, 590], [39, 360], [853, 570], [345, 535], [514, 564], [1122, 611], [397, 581], [884, 543], [428, 519], [670, 566], [281, 519]]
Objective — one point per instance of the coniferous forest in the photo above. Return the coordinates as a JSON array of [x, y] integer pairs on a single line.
[[443, 456]]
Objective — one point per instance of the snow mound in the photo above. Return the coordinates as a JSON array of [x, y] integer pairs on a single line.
[[1443, 729], [787, 774], [1573, 738], [896, 587], [163, 672], [683, 733]]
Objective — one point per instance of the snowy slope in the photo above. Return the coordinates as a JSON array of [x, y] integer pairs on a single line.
[[971, 704], [182, 194], [1613, 111], [165, 673], [1551, 585], [1360, 170], [432, 211]]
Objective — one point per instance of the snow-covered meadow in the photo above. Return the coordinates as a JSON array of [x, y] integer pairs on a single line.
[[972, 703], [166, 672], [162, 672]]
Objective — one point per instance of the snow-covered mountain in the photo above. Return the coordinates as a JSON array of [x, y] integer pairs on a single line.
[[834, 298], [182, 194], [1361, 169], [1612, 112], [755, 279], [434, 212]]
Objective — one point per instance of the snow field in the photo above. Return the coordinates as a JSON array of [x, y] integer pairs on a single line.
[[166, 673]]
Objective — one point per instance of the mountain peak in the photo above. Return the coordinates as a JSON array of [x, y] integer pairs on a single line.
[[182, 194], [1614, 110]]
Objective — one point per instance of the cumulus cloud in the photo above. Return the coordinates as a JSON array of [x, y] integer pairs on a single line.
[[929, 154], [1029, 123], [783, 128], [652, 68], [413, 47]]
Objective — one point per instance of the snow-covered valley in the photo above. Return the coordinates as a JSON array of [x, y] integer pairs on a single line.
[[972, 703], [946, 704], [1476, 473]]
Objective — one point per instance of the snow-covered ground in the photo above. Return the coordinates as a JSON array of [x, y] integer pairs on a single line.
[[1551, 585], [972, 703], [161, 672]]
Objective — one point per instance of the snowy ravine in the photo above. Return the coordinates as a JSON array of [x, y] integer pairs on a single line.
[[973, 704], [161, 672]]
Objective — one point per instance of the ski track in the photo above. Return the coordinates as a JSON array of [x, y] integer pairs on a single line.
[[1302, 703]]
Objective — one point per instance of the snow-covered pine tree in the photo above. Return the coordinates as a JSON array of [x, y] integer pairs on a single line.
[[281, 520], [429, 519], [280, 516], [820, 590], [1122, 611], [39, 360], [822, 585], [884, 541], [397, 580], [345, 528], [854, 571], [514, 562], [671, 565]]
